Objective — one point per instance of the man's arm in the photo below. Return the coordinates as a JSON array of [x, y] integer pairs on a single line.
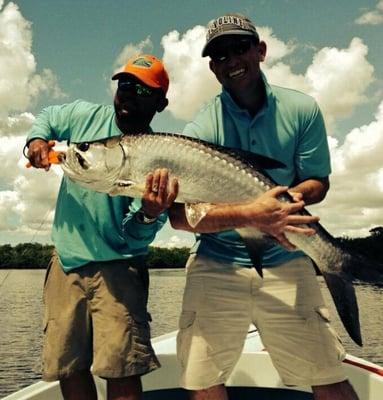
[[312, 190], [268, 214], [147, 215], [52, 123]]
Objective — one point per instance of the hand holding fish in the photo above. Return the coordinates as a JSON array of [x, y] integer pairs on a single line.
[[157, 197], [41, 155], [274, 217]]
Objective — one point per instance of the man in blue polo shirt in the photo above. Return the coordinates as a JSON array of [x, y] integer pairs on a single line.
[[96, 287], [223, 294]]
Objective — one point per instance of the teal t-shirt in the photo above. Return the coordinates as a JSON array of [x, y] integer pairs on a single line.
[[289, 128], [90, 226]]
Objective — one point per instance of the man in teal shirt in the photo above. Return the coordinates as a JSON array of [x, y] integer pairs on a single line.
[[223, 294], [96, 286]]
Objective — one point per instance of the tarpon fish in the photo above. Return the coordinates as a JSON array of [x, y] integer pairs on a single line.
[[210, 174]]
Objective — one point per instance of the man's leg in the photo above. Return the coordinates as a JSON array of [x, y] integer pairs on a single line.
[[213, 325], [337, 391], [79, 386], [294, 324], [129, 388], [121, 333], [214, 393]]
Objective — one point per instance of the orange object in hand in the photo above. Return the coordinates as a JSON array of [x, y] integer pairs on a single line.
[[53, 156]]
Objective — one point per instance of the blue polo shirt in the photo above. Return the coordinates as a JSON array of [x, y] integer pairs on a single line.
[[288, 128], [90, 226]]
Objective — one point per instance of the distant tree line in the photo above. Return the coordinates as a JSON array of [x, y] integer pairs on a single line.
[[37, 255]]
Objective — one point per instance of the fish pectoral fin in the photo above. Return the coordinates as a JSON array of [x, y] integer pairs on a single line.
[[127, 188], [195, 212], [256, 243]]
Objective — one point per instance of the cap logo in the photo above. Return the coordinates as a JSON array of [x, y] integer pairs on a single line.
[[219, 24], [142, 62]]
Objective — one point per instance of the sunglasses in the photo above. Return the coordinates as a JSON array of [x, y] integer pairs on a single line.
[[221, 54], [138, 88]]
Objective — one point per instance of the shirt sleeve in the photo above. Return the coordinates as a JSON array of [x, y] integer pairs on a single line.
[[312, 157], [139, 235], [207, 122], [53, 123]]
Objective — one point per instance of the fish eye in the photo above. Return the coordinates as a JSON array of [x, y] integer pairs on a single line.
[[83, 146]]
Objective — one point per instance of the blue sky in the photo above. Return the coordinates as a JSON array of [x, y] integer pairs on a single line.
[[57, 51]]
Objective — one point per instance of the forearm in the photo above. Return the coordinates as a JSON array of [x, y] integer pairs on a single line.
[[313, 190], [220, 217]]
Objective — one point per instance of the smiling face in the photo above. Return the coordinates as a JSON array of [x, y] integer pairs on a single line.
[[235, 61]]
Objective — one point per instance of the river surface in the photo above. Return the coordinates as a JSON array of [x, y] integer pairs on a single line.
[[21, 314]]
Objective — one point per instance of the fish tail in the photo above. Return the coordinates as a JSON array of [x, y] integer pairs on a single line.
[[344, 297]]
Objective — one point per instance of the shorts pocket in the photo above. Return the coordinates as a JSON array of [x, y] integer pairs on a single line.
[[194, 294], [140, 327], [331, 341], [324, 313], [187, 319], [184, 336]]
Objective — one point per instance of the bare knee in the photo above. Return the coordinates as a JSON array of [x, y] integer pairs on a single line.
[[128, 388], [79, 386], [213, 393]]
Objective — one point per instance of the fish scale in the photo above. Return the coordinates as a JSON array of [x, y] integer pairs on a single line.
[[212, 174], [183, 157]]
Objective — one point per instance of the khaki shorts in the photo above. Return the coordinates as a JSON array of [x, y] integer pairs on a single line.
[[96, 316], [221, 300]]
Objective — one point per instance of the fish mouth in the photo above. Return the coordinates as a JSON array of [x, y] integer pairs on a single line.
[[61, 157], [81, 160]]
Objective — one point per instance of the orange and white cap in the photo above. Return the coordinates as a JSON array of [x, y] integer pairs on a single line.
[[147, 69]]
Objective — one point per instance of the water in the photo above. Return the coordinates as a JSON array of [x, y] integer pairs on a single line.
[[21, 314]]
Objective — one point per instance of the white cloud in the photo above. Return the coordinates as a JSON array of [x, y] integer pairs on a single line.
[[276, 48], [372, 17], [327, 78], [191, 82], [16, 125], [19, 82], [174, 241], [28, 196], [338, 78], [129, 51], [354, 203]]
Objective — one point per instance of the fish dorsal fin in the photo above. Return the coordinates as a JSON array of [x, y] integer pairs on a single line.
[[258, 161]]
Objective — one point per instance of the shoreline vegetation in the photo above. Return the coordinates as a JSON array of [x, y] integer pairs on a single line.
[[37, 255]]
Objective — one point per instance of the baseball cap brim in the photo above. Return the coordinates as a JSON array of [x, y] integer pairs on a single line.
[[205, 50], [139, 76]]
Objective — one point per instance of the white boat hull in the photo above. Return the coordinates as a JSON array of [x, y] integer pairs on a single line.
[[253, 372]]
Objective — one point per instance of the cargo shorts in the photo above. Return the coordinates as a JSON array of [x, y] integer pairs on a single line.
[[222, 300], [96, 316]]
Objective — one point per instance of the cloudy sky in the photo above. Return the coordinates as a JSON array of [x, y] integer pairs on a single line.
[[53, 52]]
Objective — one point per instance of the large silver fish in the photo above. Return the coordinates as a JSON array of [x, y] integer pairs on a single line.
[[209, 174]]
